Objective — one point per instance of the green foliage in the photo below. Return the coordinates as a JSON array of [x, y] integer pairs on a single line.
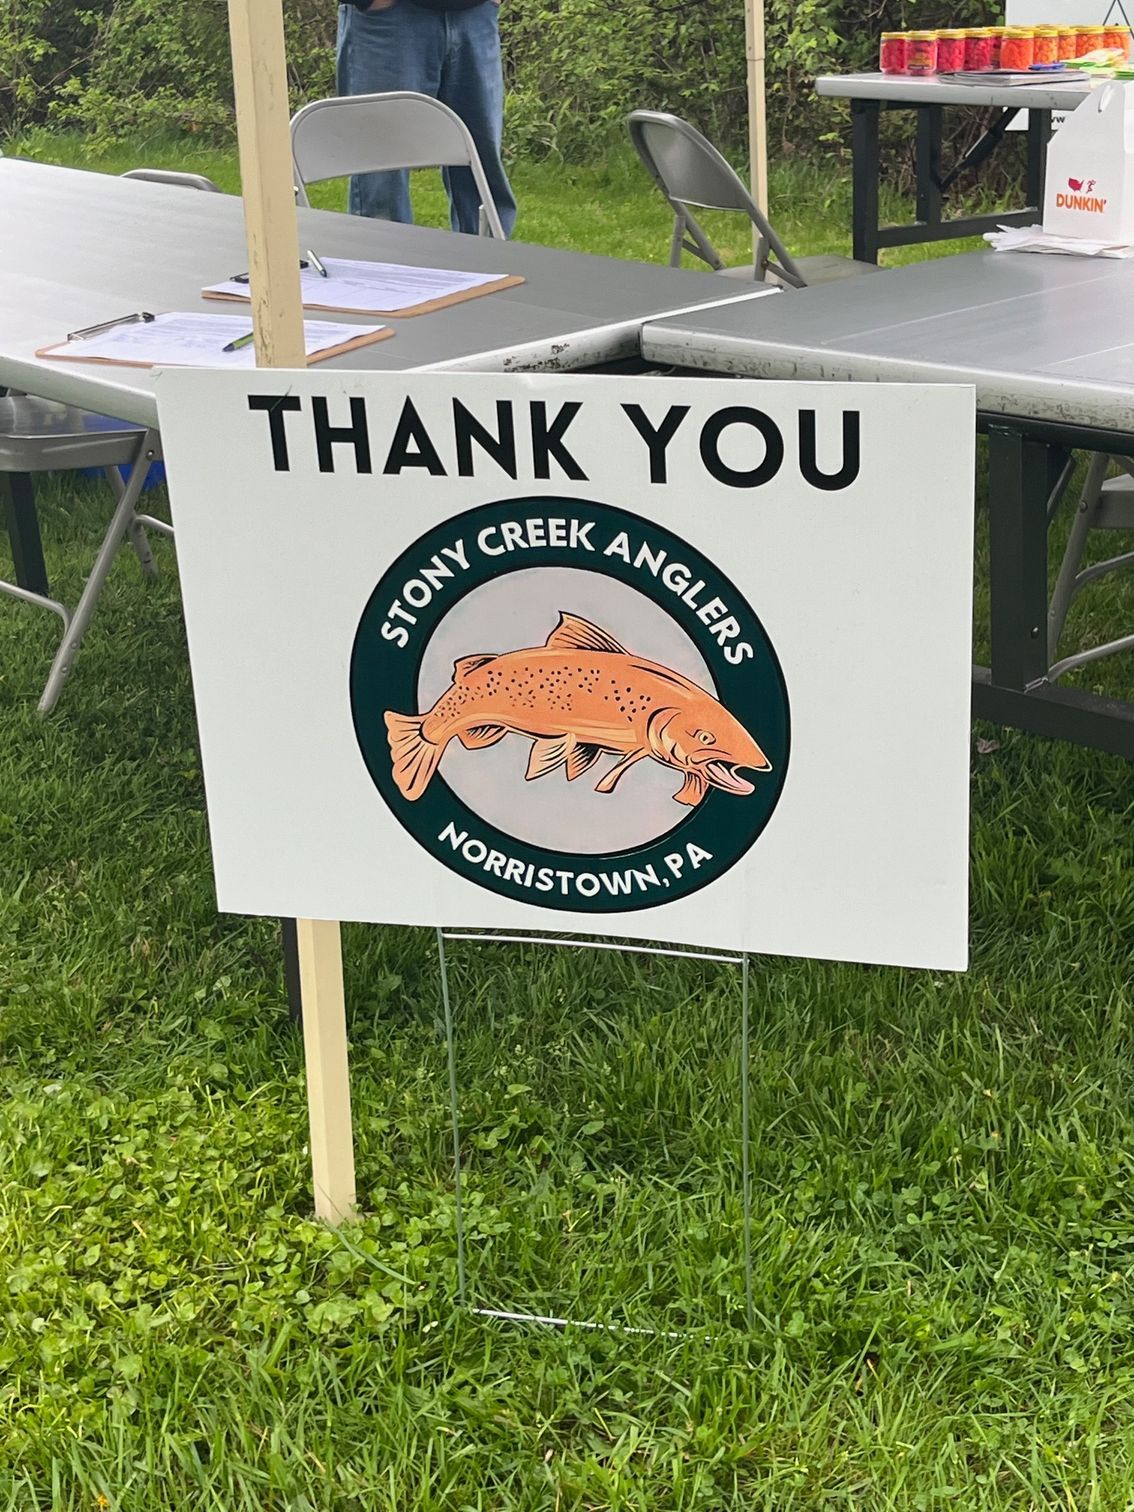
[[152, 66], [809, 37], [41, 45], [574, 67], [130, 67]]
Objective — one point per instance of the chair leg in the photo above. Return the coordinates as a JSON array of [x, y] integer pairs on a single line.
[[1067, 582], [138, 537], [676, 240], [116, 533]]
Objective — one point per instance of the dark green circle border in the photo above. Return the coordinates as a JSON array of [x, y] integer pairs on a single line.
[[383, 676]]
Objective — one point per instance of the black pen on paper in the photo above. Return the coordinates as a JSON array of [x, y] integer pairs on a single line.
[[247, 277]]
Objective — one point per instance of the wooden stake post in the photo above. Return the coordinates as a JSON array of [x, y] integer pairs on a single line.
[[259, 74], [757, 119]]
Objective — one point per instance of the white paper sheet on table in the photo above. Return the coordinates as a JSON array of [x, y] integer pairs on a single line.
[[1036, 239], [189, 339], [374, 288]]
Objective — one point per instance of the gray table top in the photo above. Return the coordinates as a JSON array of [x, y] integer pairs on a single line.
[[933, 91], [1046, 337], [84, 247]]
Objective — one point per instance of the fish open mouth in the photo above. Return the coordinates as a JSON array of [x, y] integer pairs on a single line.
[[722, 775]]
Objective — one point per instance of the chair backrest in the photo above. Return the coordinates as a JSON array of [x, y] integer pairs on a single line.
[[370, 133], [689, 170], [171, 176]]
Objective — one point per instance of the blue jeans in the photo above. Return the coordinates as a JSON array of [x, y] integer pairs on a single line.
[[453, 56]]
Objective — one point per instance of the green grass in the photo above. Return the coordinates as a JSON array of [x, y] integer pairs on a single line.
[[608, 206], [943, 1167]]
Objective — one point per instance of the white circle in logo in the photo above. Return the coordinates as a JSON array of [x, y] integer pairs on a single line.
[[519, 610]]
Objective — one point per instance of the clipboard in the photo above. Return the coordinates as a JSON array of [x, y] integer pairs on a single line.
[[121, 342], [1014, 78], [360, 274]]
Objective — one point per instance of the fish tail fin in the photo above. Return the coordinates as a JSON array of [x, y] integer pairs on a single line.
[[415, 758]]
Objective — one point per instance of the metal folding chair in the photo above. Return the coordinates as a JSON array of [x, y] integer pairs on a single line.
[[689, 171], [39, 436], [371, 133], [1105, 504]]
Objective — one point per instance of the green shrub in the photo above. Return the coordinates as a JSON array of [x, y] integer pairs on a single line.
[[574, 67], [42, 44]]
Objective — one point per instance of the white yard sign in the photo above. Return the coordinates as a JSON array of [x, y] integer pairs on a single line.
[[1068, 12], [682, 660]]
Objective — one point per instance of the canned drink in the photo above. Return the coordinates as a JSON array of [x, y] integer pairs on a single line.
[[894, 53], [922, 56]]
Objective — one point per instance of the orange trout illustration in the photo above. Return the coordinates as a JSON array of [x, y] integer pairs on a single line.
[[577, 697]]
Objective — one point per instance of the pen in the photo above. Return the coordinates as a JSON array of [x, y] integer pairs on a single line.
[[316, 264], [240, 342], [247, 277]]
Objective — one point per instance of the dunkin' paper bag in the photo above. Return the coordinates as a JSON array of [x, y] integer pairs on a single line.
[[1089, 189]]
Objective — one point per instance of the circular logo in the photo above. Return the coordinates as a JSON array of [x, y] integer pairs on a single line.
[[569, 705]]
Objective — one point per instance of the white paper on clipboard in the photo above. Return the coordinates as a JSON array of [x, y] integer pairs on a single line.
[[373, 288], [190, 339]]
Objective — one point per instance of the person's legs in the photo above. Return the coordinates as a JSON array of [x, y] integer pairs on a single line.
[[399, 47], [472, 84]]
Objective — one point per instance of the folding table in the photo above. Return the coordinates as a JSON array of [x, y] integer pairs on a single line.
[[871, 93], [88, 247], [1048, 343]]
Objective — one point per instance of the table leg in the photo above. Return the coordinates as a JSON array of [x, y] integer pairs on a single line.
[[23, 533], [1039, 132], [865, 169], [929, 164], [1015, 690], [290, 941], [1019, 483]]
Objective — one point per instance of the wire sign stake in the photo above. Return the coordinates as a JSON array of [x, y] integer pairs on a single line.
[[522, 1315]]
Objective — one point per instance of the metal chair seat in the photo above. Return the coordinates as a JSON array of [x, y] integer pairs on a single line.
[[823, 267], [828, 267], [41, 435]]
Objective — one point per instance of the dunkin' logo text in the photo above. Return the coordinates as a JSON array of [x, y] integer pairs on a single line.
[[1080, 197]]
